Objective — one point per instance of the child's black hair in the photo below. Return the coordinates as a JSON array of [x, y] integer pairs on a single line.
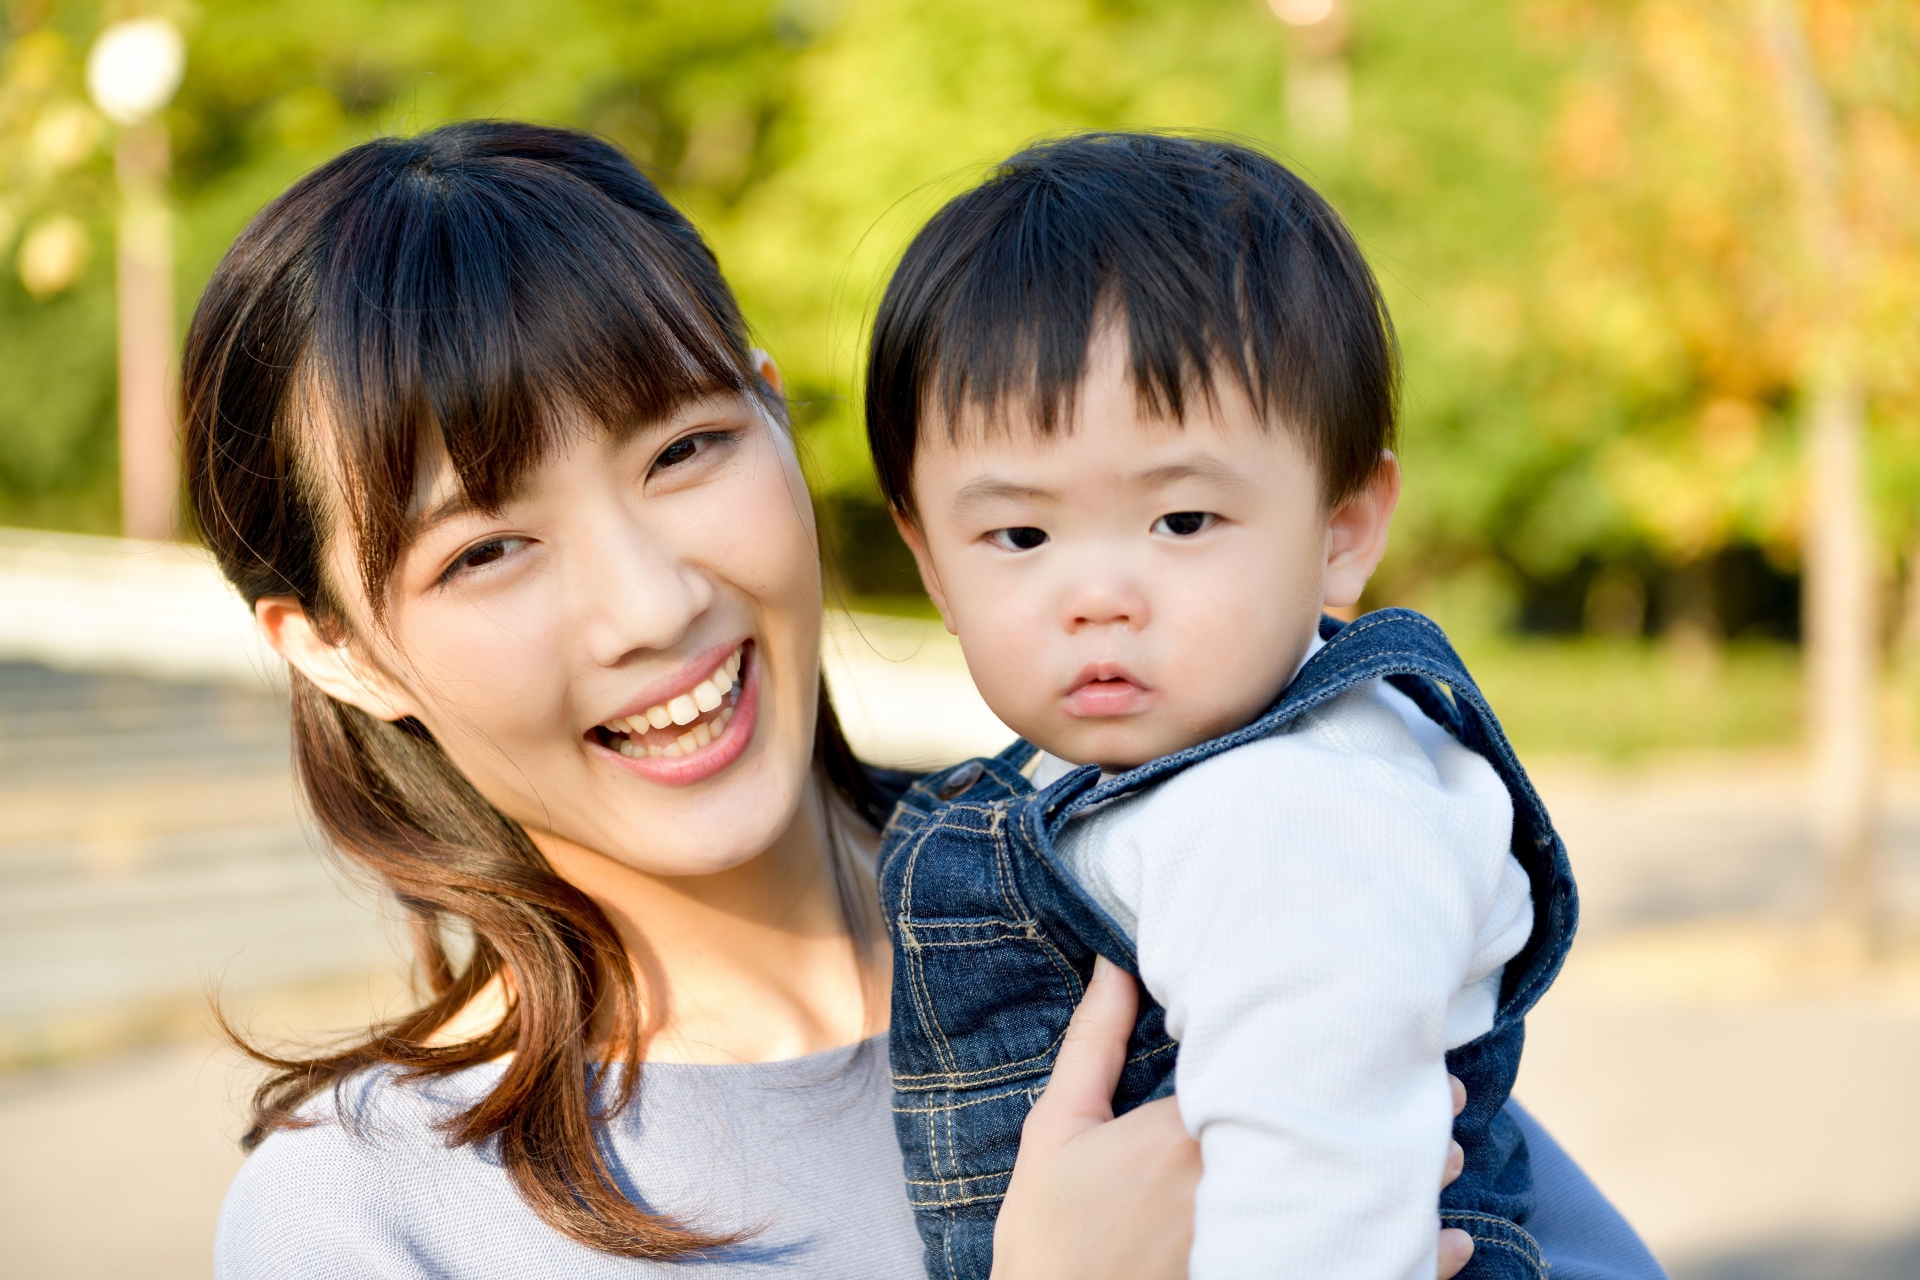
[[1220, 260]]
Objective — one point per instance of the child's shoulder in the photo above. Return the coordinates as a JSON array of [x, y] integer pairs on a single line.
[[1369, 746]]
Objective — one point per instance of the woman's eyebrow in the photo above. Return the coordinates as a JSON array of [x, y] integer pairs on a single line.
[[451, 507]]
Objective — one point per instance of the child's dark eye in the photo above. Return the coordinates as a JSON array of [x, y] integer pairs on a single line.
[[1020, 538], [1184, 524]]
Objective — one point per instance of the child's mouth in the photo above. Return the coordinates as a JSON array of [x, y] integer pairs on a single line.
[[1106, 691], [682, 724]]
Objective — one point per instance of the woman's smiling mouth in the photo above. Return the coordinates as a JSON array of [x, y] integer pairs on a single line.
[[692, 734]]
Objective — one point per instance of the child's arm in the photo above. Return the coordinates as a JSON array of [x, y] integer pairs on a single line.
[[1308, 912]]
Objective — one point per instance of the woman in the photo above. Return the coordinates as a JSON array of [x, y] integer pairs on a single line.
[[472, 422]]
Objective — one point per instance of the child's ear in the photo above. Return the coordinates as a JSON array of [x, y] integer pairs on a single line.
[[332, 667], [917, 543], [1357, 534]]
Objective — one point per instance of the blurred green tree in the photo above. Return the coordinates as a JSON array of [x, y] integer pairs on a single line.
[[1578, 208]]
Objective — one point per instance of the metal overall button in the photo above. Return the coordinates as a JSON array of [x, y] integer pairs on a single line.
[[960, 779]]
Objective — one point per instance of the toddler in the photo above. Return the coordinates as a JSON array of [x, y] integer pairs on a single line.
[[1131, 401]]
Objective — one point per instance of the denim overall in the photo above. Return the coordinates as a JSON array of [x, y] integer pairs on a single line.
[[994, 942]]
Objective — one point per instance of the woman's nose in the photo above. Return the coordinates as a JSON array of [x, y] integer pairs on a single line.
[[637, 594]]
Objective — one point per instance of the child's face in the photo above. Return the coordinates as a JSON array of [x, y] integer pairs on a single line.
[[1131, 586]]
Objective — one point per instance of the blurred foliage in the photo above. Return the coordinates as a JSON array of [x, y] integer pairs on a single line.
[[1578, 208], [1618, 700]]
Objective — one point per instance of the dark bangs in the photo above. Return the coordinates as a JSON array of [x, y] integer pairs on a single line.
[[1218, 260], [487, 284]]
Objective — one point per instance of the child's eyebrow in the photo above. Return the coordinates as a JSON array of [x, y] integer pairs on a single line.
[[1199, 469], [976, 493]]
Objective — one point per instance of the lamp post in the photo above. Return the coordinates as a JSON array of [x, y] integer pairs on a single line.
[[132, 72], [1319, 93]]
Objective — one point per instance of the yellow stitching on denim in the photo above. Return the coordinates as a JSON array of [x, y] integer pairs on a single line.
[[1139, 1058], [1015, 907], [923, 998], [1526, 1246], [977, 1079], [950, 1107]]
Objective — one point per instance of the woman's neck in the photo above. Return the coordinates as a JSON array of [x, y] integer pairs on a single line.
[[752, 964]]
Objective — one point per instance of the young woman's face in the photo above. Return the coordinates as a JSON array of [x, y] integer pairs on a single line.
[[626, 654]]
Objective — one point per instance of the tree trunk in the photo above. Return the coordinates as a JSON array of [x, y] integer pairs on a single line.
[[1842, 657]]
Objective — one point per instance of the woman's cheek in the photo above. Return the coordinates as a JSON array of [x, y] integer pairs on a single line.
[[493, 672]]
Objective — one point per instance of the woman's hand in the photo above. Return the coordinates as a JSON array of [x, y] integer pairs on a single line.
[[1098, 1197], [1091, 1195], [1456, 1246]]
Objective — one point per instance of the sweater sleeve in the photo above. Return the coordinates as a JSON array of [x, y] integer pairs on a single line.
[[310, 1204], [1309, 907]]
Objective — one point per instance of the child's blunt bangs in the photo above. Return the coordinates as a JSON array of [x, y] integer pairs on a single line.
[[1219, 260], [487, 284]]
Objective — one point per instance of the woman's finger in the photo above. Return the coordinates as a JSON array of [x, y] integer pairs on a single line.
[[1080, 1092], [1456, 1157], [1456, 1246]]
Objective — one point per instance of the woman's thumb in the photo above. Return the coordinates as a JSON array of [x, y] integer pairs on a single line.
[[1080, 1092]]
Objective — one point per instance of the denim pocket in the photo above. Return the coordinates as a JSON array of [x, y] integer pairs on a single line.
[[988, 1001]]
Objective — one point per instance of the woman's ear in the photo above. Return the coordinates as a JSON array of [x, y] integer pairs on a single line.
[[332, 667], [917, 543], [769, 371], [1357, 534]]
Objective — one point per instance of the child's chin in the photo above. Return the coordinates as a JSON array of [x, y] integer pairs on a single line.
[[1114, 749]]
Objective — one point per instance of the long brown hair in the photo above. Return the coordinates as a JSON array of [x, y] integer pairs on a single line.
[[471, 284]]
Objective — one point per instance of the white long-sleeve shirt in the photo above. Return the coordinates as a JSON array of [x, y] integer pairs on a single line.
[[1323, 913]]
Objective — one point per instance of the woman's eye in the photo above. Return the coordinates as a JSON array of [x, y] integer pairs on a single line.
[[677, 452], [1184, 524], [484, 553], [685, 449], [1020, 538]]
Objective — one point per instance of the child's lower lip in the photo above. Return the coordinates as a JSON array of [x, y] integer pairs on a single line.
[[680, 771], [1107, 698]]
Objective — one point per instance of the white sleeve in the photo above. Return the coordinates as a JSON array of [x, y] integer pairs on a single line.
[[1308, 906]]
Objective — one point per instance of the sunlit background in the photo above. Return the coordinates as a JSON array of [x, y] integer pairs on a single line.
[[1655, 266]]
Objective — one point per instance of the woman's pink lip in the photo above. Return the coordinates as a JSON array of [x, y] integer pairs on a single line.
[[704, 762]]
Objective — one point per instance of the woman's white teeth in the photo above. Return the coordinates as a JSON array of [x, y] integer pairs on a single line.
[[706, 696]]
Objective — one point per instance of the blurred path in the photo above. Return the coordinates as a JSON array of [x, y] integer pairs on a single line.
[[1743, 1084], [150, 848], [1681, 838]]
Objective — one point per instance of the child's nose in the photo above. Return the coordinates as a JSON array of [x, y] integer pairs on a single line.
[[1107, 603]]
